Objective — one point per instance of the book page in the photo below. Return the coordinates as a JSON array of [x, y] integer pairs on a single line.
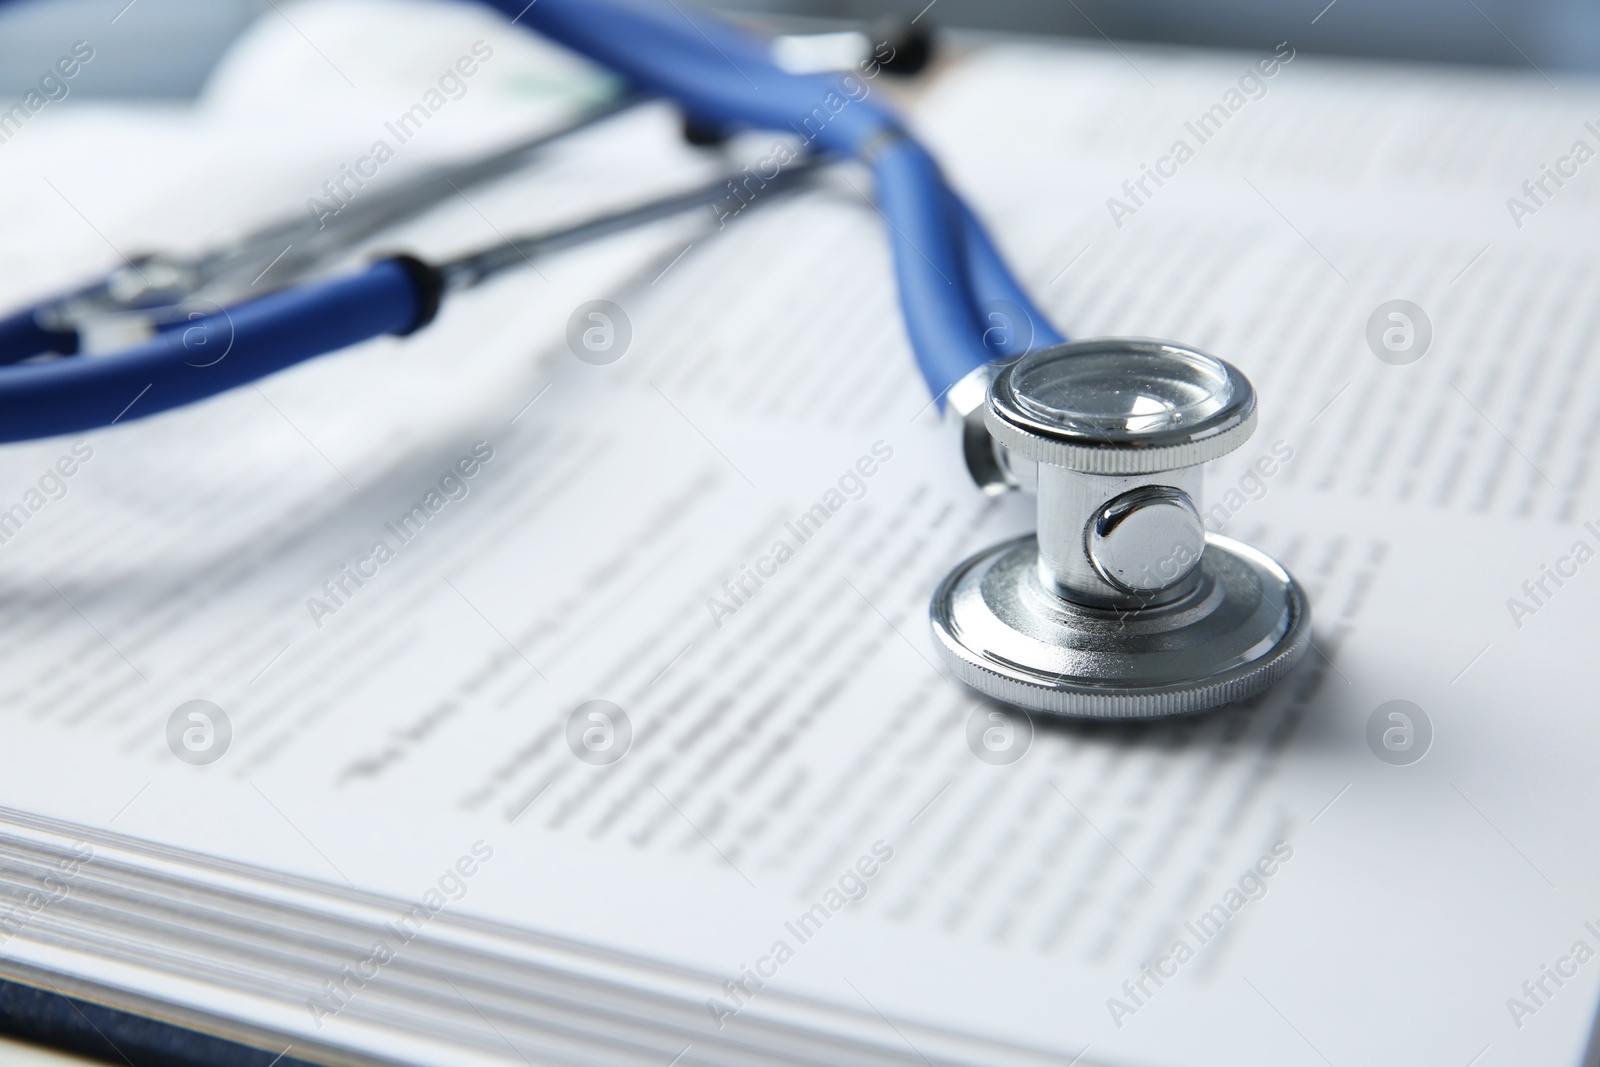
[[406, 574]]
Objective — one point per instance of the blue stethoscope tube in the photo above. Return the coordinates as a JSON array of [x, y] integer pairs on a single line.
[[948, 271], [211, 355]]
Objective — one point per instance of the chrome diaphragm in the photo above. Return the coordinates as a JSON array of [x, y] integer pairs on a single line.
[[1122, 605]]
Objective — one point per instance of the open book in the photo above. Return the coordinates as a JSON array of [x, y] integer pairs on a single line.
[[460, 700]]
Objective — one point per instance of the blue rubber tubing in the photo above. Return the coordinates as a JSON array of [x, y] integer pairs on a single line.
[[21, 337], [209, 355], [945, 262]]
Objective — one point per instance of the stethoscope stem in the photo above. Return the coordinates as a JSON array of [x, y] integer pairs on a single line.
[[156, 287], [475, 268]]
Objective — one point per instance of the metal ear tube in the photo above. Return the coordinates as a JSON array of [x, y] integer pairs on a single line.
[[1121, 605]]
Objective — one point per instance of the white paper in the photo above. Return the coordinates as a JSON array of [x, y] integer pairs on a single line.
[[780, 732]]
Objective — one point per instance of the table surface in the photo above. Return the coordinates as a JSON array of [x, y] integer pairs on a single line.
[[23, 1054]]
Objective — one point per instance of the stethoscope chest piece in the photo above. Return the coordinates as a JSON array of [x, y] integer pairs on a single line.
[[1122, 605]]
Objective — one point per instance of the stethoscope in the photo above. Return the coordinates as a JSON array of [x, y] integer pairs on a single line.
[[1120, 606]]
